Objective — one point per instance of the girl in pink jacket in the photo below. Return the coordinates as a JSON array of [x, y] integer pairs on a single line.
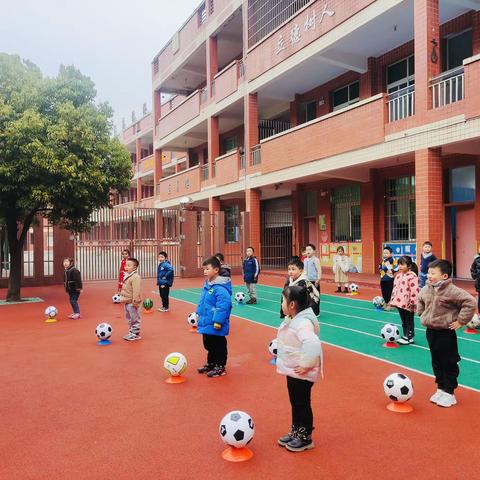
[[404, 296], [300, 359]]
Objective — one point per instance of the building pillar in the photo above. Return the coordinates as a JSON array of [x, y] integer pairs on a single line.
[[212, 64], [429, 209], [368, 80], [157, 169], [476, 33], [251, 124], [427, 56], [157, 107], [213, 144], [367, 214], [213, 207], [252, 206]]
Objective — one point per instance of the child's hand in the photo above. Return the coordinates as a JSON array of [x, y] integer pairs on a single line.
[[455, 325], [162, 286], [301, 370], [217, 326]]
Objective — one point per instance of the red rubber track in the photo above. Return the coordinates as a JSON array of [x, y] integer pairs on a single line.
[[72, 410]]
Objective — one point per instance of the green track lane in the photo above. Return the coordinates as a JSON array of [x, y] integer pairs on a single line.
[[355, 325]]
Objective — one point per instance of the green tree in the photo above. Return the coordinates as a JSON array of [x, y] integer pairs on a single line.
[[57, 155]]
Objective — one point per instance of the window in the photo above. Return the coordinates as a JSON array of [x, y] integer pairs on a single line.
[[346, 95], [229, 144], [400, 209], [202, 15], [401, 74], [308, 111], [310, 209], [193, 159], [462, 184], [345, 204], [28, 254], [458, 47], [47, 248], [4, 253], [232, 224]]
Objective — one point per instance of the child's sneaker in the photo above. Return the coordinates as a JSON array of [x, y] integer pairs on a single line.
[[131, 337], [163, 309], [252, 301], [301, 442], [436, 396], [206, 368], [71, 315], [446, 400], [405, 341], [282, 441], [75, 316], [217, 371]]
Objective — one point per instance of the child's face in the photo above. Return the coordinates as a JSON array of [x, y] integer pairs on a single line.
[[125, 255], [294, 272], [387, 253], [66, 263], [427, 248], [130, 266], [285, 309], [435, 275], [309, 251], [402, 267], [210, 272], [340, 252], [161, 258], [249, 252]]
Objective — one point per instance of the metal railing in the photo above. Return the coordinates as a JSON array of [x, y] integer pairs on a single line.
[[241, 69], [256, 154], [243, 163], [268, 128], [401, 104], [448, 87], [203, 95], [204, 172]]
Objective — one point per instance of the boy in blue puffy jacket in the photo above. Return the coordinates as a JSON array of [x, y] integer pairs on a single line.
[[165, 277], [214, 317]]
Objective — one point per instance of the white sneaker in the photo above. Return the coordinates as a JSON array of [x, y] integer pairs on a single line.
[[435, 397], [446, 400], [403, 341]]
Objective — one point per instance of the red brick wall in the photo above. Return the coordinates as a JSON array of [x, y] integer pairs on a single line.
[[252, 205]]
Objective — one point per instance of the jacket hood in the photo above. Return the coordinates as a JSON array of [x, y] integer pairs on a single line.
[[224, 282], [303, 276], [307, 314]]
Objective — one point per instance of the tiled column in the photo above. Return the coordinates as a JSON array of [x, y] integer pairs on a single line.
[[251, 124], [212, 63], [252, 202], [427, 29], [429, 198], [157, 107], [157, 167], [213, 144], [367, 214], [476, 33], [213, 208], [138, 153], [368, 80]]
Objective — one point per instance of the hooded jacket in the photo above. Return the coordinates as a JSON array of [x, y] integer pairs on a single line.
[[299, 346], [72, 280], [251, 269], [405, 291], [475, 272], [165, 274], [215, 306]]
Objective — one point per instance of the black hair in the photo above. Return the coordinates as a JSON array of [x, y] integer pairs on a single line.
[[127, 251], [163, 253], [340, 248], [297, 294], [428, 243], [297, 262], [388, 248], [311, 245], [213, 262], [251, 248], [133, 260], [443, 265], [220, 256], [406, 260]]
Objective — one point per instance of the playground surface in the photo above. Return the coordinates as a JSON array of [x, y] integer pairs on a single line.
[[73, 410]]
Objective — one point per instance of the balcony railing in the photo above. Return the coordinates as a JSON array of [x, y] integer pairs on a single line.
[[204, 172], [243, 163], [401, 104], [269, 128], [256, 154], [448, 87]]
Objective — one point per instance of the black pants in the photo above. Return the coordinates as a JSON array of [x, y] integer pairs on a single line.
[[408, 323], [164, 293], [387, 289], [216, 346], [299, 392], [444, 350]]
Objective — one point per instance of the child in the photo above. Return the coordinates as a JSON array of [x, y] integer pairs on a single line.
[[444, 308], [225, 269], [296, 276], [131, 297], [214, 317], [387, 269], [312, 267], [73, 286], [405, 292], [299, 358], [426, 259], [341, 267], [303, 255], [165, 275], [475, 272], [121, 273], [251, 270]]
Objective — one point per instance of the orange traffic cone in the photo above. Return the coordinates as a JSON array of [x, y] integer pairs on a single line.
[[399, 407], [232, 454], [176, 379]]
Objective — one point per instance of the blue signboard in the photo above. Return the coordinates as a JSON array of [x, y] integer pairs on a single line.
[[400, 249]]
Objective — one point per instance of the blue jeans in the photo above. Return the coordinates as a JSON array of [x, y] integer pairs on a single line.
[[74, 301], [422, 279]]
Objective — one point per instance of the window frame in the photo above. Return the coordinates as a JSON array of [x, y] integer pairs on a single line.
[[347, 203], [350, 101], [388, 217]]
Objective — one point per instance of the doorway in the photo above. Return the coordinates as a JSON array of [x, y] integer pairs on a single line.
[[463, 240]]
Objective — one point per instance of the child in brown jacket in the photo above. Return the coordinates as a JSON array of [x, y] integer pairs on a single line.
[[444, 308], [131, 297]]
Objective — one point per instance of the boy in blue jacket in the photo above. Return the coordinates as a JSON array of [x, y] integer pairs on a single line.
[[214, 317], [165, 275], [251, 270]]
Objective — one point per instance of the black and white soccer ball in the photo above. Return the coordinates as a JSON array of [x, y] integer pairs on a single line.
[[398, 387], [390, 332], [474, 323], [103, 331], [273, 347], [240, 297], [192, 319], [354, 288], [237, 429], [378, 302], [116, 298], [51, 312]]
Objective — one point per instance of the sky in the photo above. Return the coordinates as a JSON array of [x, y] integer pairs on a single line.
[[112, 42]]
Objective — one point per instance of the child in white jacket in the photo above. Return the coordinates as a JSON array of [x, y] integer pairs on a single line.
[[300, 359]]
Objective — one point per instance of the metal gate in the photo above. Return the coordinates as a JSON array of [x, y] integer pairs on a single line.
[[276, 239]]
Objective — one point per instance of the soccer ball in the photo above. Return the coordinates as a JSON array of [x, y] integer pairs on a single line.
[[240, 297], [390, 332], [116, 298], [51, 312], [398, 387], [353, 288], [378, 302], [237, 429], [148, 304], [192, 319], [474, 323], [175, 363], [103, 331], [273, 347]]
